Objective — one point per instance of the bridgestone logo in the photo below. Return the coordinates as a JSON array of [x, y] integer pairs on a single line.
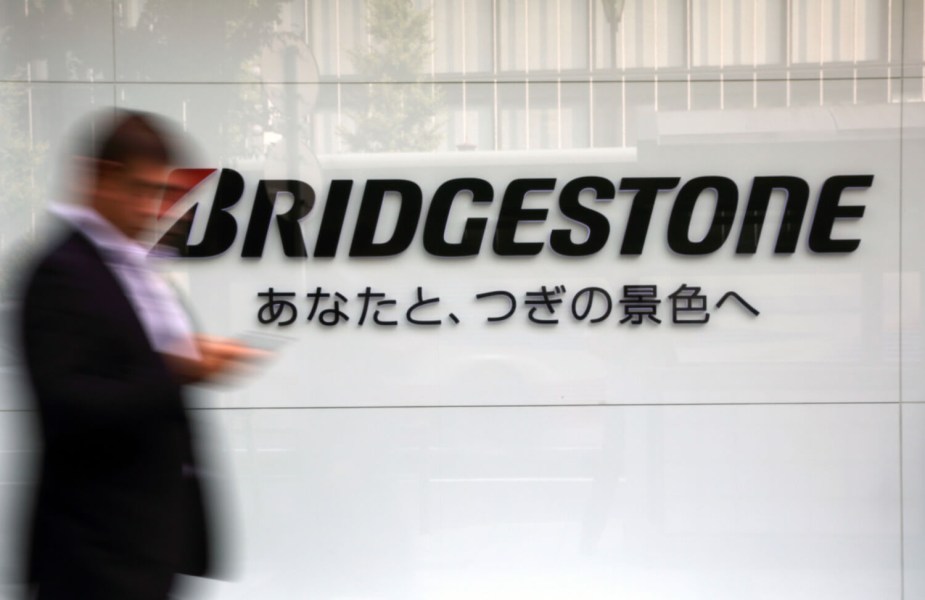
[[593, 229]]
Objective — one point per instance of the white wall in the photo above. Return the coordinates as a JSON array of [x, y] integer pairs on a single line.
[[770, 456]]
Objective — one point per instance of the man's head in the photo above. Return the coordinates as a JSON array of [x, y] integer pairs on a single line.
[[127, 161]]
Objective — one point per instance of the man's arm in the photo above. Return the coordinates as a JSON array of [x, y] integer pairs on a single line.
[[217, 357], [84, 370]]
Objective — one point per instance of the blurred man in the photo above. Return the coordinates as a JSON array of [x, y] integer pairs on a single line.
[[108, 348]]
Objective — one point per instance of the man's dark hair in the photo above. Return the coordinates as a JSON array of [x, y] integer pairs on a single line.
[[127, 136]]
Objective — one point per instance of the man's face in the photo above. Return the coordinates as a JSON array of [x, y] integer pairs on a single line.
[[129, 195]]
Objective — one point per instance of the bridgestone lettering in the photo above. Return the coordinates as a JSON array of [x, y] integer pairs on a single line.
[[591, 234]]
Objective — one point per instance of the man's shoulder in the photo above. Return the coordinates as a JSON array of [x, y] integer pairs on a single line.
[[69, 251], [71, 281], [68, 263]]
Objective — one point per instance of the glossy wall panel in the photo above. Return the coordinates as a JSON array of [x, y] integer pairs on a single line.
[[509, 40], [913, 38], [213, 40], [57, 41], [826, 328], [674, 502], [663, 502], [18, 453], [913, 256], [103, 40], [758, 456], [913, 418], [36, 121]]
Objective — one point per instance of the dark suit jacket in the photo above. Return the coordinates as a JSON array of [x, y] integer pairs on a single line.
[[117, 483]]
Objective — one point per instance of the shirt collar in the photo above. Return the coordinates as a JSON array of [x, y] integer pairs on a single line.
[[116, 246]]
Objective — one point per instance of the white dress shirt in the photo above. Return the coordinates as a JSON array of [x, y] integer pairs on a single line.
[[165, 322]]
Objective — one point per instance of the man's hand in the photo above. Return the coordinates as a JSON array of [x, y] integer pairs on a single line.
[[217, 357]]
